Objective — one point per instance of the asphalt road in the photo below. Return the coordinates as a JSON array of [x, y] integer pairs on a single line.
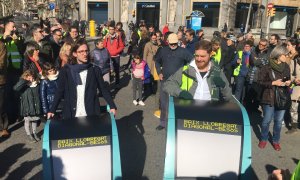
[[142, 147]]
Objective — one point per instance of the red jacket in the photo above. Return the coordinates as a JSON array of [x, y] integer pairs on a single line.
[[114, 48]]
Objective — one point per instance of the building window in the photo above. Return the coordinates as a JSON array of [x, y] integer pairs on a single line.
[[279, 20], [284, 18], [98, 11], [211, 12], [242, 13]]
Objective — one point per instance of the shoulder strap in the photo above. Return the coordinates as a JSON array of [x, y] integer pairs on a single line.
[[294, 72]]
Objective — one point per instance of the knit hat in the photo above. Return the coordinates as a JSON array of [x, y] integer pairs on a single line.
[[173, 38]]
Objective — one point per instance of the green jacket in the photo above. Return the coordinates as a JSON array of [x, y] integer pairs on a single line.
[[30, 99], [186, 79]]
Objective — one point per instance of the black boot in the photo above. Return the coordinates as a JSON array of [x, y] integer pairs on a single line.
[[293, 130], [31, 139], [36, 137]]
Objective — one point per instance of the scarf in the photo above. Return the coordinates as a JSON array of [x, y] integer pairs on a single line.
[[36, 64], [276, 67], [247, 58], [75, 70], [53, 77]]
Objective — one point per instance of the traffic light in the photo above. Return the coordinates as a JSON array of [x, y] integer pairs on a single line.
[[133, 13], [273, 11]]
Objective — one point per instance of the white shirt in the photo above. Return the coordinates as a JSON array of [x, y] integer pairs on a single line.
[[80, 108], [202, 91]]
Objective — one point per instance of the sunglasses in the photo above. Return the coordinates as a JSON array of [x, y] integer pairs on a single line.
[[262, 44], [173, 44]]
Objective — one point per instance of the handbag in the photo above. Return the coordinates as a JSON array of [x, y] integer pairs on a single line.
[[282, 97]]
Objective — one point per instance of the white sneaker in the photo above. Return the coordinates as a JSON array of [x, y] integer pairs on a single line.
[[141, 103], [135, 102]]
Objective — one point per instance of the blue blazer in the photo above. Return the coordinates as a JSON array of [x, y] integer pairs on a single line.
[[67, 89]]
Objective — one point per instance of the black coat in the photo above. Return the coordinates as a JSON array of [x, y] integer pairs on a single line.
[[30, 101], [47, 92], [67, 90], [29, 65]]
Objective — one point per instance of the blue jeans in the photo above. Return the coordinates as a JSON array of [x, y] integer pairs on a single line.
[[270, 113], [239, 87]]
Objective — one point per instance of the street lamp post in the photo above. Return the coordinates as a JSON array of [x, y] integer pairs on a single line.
[[262, 10], [77, 8]]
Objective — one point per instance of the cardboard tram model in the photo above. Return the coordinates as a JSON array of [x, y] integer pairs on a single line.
[[209, 140], [81, 148]]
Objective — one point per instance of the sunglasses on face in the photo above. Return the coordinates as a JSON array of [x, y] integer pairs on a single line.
[[173, 44], [264, 45]]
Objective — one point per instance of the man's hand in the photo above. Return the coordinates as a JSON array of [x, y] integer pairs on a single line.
[[50, 115], [186, 95], [238, 61], [280, 174], [278, 82], [114, 111], [161, 77]]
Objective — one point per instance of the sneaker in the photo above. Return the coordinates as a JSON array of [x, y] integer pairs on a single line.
[[276, 146], [291, 131], [141, 103], [31, 139], [160, 127], [262, 144], [36, 137], [135, 102], [157, 113]]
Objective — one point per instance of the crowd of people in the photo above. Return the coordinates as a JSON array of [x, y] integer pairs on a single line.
[[49, 63]]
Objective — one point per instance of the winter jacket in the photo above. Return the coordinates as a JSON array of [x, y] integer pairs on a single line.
[[101, 58], [149, 53], [115, 46], [244, 67], [68, 39], [29, 99], [45, 51], [55, 48], [190, 46], [265, 80], [141, 47], [168, 61], [66, 89], [295, 74], [47, 91], [260, 59], [146, 75], [29, 65], [216, 80], [3, 64], [15, 50]]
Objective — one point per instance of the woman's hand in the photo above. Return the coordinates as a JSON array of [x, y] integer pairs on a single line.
[[288, 83], [114, 111], [278, 82], [297, 81], [50, 115]]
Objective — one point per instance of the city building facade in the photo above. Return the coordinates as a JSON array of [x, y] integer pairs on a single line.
[[217, 12]]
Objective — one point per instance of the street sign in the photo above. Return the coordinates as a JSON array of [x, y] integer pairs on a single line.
[[51, 6], [270, 5]]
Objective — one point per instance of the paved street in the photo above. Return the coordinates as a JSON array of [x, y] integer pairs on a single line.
[[142, 147]]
